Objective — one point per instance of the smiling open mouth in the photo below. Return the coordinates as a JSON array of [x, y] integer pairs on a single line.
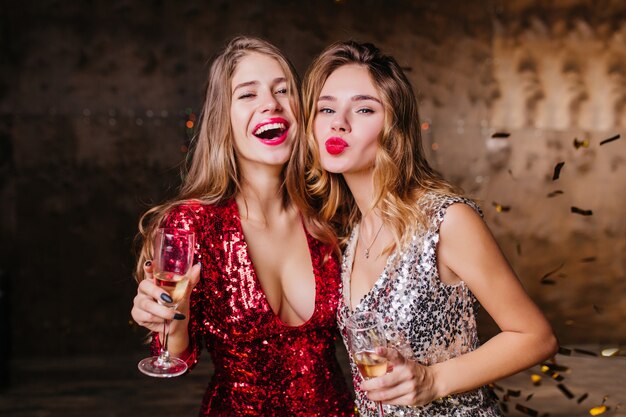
[[270, 131]]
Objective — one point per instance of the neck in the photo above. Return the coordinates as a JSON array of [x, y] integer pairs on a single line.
[[361, 186], [260, 196]]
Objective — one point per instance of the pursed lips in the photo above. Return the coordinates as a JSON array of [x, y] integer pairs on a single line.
[[335, 145]]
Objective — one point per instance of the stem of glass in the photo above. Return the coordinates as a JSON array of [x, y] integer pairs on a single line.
[[164, 355]]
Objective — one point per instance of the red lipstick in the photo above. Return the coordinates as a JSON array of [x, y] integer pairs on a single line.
[[335, 145], [272, 131]]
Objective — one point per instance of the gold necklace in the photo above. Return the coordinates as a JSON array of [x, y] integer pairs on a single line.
[[367, 250]]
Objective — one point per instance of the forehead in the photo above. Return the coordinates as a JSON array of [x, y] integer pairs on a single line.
[[257, 67], [350, 79]]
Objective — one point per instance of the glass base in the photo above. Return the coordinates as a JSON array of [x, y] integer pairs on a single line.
[[158, 368]]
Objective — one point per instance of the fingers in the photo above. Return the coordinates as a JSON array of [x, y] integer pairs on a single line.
[[393, 356], [194, 275], [147, 269], [404, 385]]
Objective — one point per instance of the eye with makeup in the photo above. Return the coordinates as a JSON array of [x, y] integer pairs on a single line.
[[246, 95], [281, 91], [325, 110]]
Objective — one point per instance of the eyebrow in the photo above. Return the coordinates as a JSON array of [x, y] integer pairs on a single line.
[[255, 82], [359, 97]]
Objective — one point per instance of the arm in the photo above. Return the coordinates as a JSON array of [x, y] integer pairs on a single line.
[[147, 311], [468, 250]]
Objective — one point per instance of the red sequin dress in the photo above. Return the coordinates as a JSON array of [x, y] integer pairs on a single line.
[[263, 367]]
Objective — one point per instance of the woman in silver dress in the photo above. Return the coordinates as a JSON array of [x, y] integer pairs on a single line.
[[415, 250]]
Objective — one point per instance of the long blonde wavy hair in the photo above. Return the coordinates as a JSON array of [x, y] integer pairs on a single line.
[[211, 173], [401, 173]]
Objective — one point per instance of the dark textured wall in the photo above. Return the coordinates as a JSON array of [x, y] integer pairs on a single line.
[[94, 97]]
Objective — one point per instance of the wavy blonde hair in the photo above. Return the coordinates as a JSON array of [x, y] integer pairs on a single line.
[[401, 173], [211, 173]]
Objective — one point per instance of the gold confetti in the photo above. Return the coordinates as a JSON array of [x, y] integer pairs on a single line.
[[596, 411], [557, 171], [581, 143], [500, 208], [536, 379]]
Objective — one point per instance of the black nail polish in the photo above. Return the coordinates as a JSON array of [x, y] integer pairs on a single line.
[[179, 316], [148, 263], [166, 297]]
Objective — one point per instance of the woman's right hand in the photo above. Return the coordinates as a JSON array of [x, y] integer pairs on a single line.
[[149, 313]]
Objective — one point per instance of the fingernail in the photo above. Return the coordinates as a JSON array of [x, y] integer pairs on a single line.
[[147, 263], [179, 316], [166, 297]]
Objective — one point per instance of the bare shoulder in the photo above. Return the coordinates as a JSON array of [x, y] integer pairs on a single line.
[[460, 219]]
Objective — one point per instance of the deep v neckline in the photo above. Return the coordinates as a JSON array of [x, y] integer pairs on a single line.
[[349, 258], [257, 281]]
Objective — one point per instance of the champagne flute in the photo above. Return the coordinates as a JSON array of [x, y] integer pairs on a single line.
[[173, 256], [365, 334]]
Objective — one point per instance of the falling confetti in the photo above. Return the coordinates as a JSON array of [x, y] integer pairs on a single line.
[[557, 171], [582, 398], [588, 259], [545, 279], [596, 411], [585, 352], [581, 143], [500, 135], [526, 410], [513, 393], [598, 309], [565, 391], [536, 379], [565, 351], [580, 211], [611, 139], [555, 193], [610, 351], [500, 208]]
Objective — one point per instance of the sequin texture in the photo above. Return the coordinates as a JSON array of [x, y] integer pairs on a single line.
[[263, 367], [425, 319]]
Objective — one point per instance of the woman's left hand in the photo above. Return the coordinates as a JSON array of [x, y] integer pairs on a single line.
[[406, 382]]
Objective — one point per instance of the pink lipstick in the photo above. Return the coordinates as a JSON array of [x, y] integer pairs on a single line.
[[335, 145], [272, 131]]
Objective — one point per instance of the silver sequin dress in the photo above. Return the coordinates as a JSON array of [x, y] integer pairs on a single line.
[[425, 319]]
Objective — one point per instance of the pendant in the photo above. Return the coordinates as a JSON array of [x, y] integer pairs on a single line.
[[367, 253]]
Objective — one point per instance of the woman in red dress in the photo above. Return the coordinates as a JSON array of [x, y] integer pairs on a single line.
[[266, 284]]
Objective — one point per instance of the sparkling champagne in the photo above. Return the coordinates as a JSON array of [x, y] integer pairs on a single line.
[[370, 364], [175, 285]]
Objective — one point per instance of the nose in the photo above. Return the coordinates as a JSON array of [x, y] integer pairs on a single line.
[[271, 104], [340, 123]]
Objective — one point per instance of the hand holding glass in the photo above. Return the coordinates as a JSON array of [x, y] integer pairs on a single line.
[[365, 334], [173, 256]]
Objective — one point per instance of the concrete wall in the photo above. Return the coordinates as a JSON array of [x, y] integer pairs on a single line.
[[94, 97]]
